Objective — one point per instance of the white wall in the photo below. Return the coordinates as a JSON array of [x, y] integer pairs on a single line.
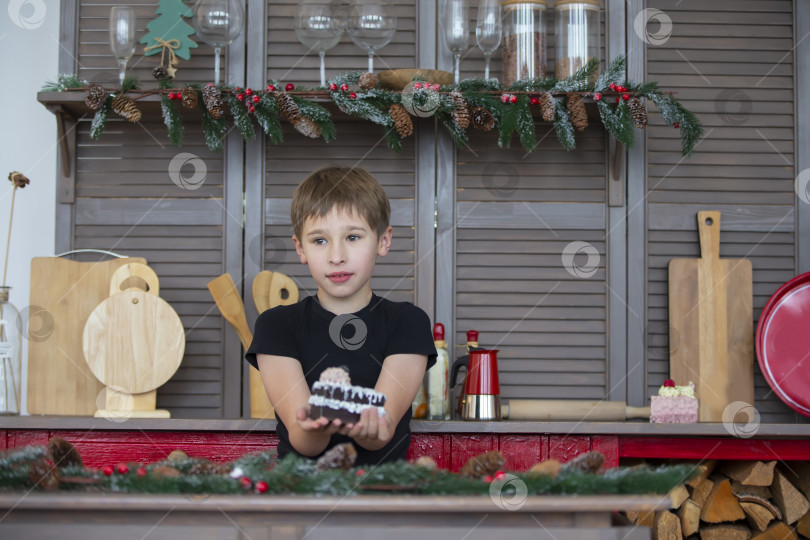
[[29, 53]]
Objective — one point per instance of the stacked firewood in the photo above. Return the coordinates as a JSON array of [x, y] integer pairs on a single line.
[[730, 500]]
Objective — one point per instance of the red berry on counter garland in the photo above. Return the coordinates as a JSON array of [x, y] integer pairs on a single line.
[[333, 87], [352, 95], [141, 471], [248, 92], [251, 108], [625, 96], [256, 99], [534, 101], [436, 87], [108, 470], [500, 475], [344, 87], [504, 98], [488, 479], [245, 482], [513, 99], [123, 469], [271, 88], [240, 97], [618, 99], [613, 86], [417, 85], [676, 125], [290, 87], [261, 486], [361, 472], [597, 96]]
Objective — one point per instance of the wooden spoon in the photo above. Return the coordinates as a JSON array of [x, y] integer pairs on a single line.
[[261, 290], [229, 302]]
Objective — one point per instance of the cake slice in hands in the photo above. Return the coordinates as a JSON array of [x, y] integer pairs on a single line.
[[334, 397]]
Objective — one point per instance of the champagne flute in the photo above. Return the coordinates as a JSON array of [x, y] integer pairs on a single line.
[[488, 30], [371, 25], [218, 23], [318, 29], [122, 37], [457, 31]]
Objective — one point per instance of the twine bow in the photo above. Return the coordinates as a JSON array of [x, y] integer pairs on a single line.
[[169, 45]]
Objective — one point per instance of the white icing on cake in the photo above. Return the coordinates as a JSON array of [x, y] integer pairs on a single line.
[[357, 392], [355, 408], [674, 391]]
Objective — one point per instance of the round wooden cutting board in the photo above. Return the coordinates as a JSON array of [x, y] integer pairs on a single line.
[[134, 341]]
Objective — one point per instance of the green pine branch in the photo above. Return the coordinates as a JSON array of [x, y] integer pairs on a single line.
[[172, 119], [267, 116], [563, 127], [63, 82], [100, 119], [612, 74], [241, 119]]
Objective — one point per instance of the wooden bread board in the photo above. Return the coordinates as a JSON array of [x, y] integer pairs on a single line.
[[711, 324], [59, 380]]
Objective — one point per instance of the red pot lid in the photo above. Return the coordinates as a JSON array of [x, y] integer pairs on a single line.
[[783, 343]]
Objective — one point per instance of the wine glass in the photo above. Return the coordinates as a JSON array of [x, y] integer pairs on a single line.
[[318, 29], [457, 31], [217, 23], [488, 30], [122, 36], [371, 25]]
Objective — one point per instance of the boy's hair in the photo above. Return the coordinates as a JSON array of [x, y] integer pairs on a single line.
[[350, 189]]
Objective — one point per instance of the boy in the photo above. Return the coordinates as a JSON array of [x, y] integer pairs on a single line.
[[340, 221]]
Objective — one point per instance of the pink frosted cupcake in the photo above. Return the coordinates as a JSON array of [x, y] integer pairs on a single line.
[[674, 404]]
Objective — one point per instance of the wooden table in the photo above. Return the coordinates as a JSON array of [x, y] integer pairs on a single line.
[[103, 516]]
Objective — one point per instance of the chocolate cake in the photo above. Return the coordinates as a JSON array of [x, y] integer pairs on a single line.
[[334, 397]]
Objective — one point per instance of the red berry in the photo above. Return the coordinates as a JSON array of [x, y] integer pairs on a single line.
[[618, 99], [676, 125], [361, 472], [504, 97], [513, 98], [500, 475], [290, 87], [141, 471], [256, 99], [353, 95], [344, 87], [122, 468], [333, 87], [270, 88], [240, 97], [210, 84], [108, 470], [488, 479], [625, 96], [436, 87], [597, 96], [612, 86], [534, 101], [245, 482], [669, 383], [261, 486], [251, 108], [248, 92], [417, 85]]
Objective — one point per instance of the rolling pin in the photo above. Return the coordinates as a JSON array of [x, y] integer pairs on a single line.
[[570, 410]]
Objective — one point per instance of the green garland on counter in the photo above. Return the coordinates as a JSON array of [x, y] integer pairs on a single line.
[[59, 468], [511, 110]]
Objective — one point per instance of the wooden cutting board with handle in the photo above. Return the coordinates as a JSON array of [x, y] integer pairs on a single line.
[[711, 341], [63, 294]]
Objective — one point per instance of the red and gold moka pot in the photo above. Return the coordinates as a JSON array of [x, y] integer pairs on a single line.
[[481, 399]]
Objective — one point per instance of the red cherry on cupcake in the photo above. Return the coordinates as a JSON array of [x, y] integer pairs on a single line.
[[669, 383]]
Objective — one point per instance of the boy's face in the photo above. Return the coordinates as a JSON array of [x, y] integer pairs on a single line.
[[341, 249]]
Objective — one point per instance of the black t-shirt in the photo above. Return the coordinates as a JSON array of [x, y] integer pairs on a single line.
[[358, 342]]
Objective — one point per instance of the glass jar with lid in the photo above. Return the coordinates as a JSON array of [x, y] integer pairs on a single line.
[[578, 36], [524, 40]]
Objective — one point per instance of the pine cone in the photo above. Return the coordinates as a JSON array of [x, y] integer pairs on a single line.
[[368, 81], [124, 106], [482, 119], [18, 179], [287, 107], [204, 467], [589, 462], [639, 113], [160, 73], [484, 464], [341, 456], [176, 455], [461, 116], [189, 96], [547, 107], [402, 120], [576, 111], [164, 471], [95, 97], [212, 98], [307, 127], [549, 467], [63, 453], [44, 476]]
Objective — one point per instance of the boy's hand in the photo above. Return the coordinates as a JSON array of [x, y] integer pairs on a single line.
[[371, 428], [319, 424]]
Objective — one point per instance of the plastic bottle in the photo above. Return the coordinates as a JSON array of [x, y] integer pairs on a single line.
[[438, 389]]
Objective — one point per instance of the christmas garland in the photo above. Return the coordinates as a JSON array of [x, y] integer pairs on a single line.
[[481, 104], [59, 467]]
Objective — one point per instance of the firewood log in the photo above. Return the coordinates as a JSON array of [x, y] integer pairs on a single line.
[[721, 505], [678, 495], [757, 515], [667, 526], [759, 491], [792, 503], [803, 525], [798, 472], [750, 473], [689, 513], [702, 491], [777, 531], [725, 532], [645, 519], [704, 469]]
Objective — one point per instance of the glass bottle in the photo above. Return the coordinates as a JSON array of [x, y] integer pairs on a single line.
[[10, 359], [578, 36], [438, 378], [524, 40]]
